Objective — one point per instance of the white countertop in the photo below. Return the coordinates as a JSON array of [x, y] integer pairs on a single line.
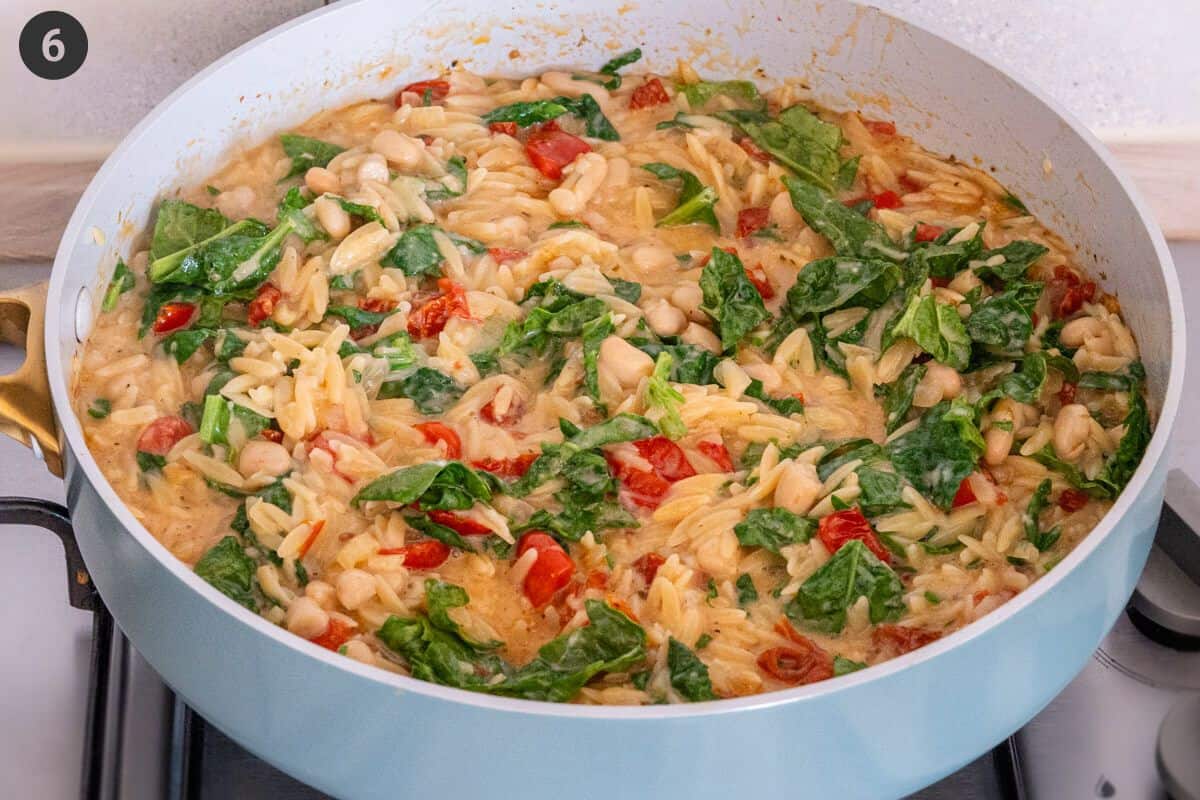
[[1113, 66]]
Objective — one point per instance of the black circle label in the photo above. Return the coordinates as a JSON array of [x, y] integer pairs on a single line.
[[53, 45]]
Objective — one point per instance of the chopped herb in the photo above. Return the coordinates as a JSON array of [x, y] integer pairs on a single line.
[[746, 592], [101, 407], [696, 200]]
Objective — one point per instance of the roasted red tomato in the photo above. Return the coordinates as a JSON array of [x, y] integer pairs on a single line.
[[757, 276], [377, 305], [647, 566], [1068, 292], [717, 452], [841, 526], [1066, 395], [666, 457], [508, 128], [1072, 499], [752, 220], [462, 525], [895, 640], [551, 572], [753, 150], [425, 554], [336, 634], [173, 316], [434, 91], [161, 435], [263, 305], [511, 414], [643, 487], [506, 467], [429, 320], [551, 150], [502, 255], [927, 233], [650, 93], [435, 432], [797, 665], [880, 127], [886, 199], [965, 494]]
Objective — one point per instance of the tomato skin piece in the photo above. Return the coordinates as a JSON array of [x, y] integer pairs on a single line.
[[896, 640], [551, 150], [757, 276], [263, 304], [462, 525], [666, 457], [551, 572], [425, 554], [515, 410], [272, 435], [797, 666], [506, 467], [651, 93], [435, 432], [173, 316], [927, 233], [644, 488], [752, 220], [429, 319], [502, 255], [1068, 292], [438, 90], [336, 634], [160, 436], [1072, 500], [507, 128], [880, 127], [965, 494], [841, 526], [377, 305], [753, 150], [718, 453], [1066, 395], [647, 566], [886, 199]]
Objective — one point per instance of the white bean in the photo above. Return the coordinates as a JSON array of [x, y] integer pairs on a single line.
[[400, 149], [373, 168], [259, 455], [355, 587], [359, 651], [940, 383], [583, 177], [701, 337], [333, 217], [305, 618], [322, 181], [321, 592], [998, 443], [665, 319], [1071, 428], [1076, 332], [688, 298], [798, 488], [624, 362]]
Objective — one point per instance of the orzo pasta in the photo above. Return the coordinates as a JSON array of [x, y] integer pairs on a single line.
[[610, 388]]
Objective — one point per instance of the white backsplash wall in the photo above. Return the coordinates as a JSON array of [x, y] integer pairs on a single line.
[[1114, 66]]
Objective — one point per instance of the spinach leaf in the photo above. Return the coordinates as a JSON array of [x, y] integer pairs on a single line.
[[544, 329], [621, 428], [1002, 323], [730, 298], [746, 592], [689, 675], [629, 291], [442, 656], [781, 405], [596, 124], [1017, 257], [149, 462], [122, 281], [179, 225], [689, 363], [416, 251], [457, 167], [440, 598], [443, 533], [397, 349], [774, 528], [1024, 385], [431, 391], [360, 210], [880, 491], [611, 68], [942, 450], [943, 259], [850, 233], [700, 93], [356, 317], [846, 451], [898, 398], [937, 329], [1042, 540], [844, 666], [100, 408], [306, 152], [583, 107], [237, 259], [574, 522], [661, 395], [832, 283], [853, 572], [799, 140], [696, 200], [182, 344], [1121, 465], [227, 568], [555, 457], [1113, 381], [593, 334], [451, 486]]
